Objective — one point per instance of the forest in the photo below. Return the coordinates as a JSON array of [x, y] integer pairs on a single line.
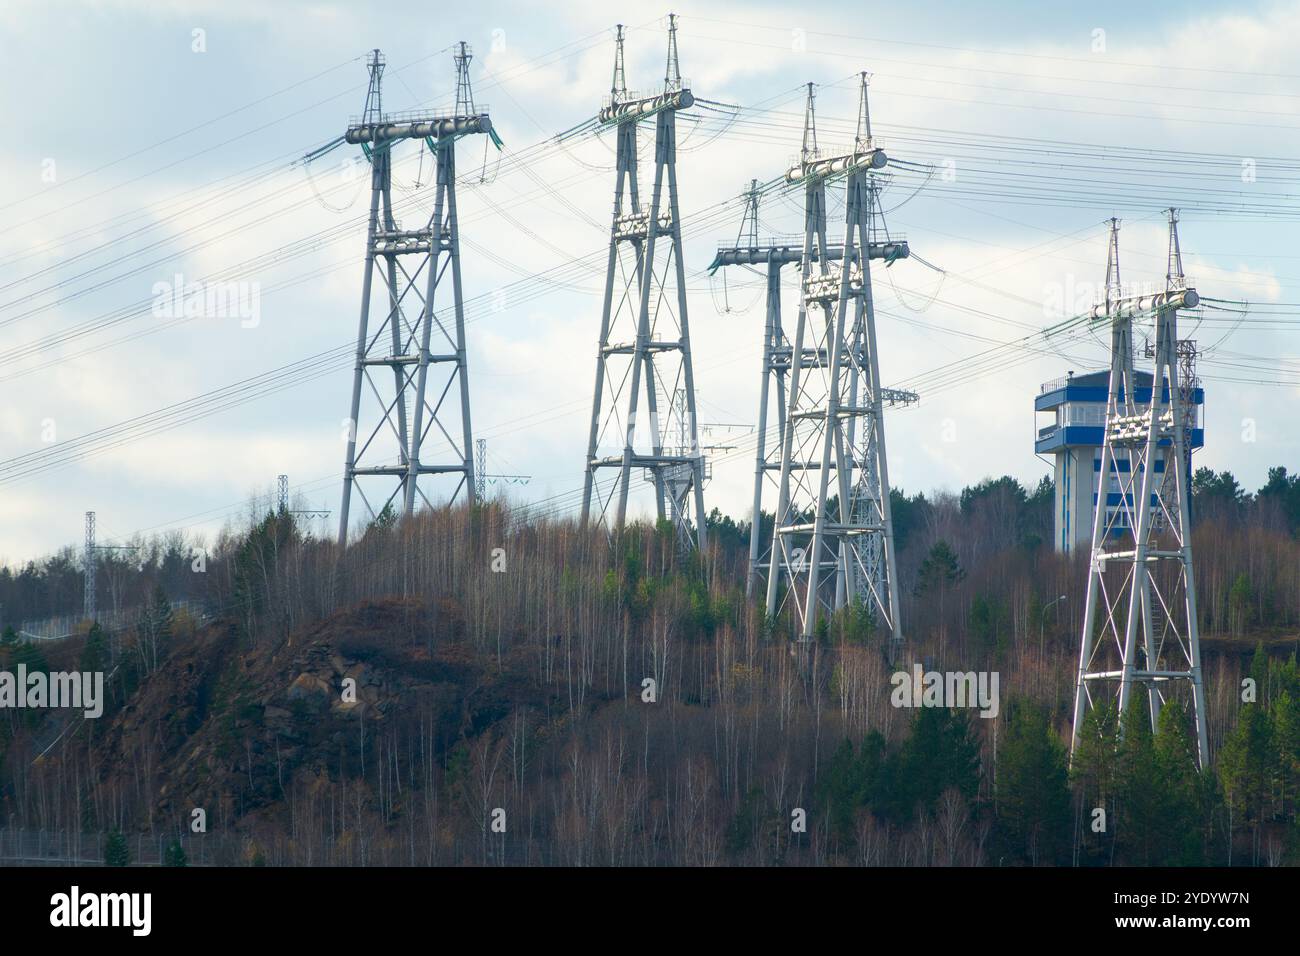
[[486, 686]]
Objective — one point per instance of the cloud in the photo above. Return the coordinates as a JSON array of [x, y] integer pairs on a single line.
[[532, 362]]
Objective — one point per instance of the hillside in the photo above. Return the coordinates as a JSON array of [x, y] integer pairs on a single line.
[[579, 703]]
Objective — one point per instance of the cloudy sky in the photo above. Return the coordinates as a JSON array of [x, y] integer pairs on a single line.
[[148, 141]]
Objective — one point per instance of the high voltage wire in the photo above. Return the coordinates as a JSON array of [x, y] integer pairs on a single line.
[[337, 232], [984, 182], [193, 129], [1105, 63], [278, 165], [290, 208], [210, 403]]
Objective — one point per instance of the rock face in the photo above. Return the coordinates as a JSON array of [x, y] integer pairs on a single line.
[[228, 727]]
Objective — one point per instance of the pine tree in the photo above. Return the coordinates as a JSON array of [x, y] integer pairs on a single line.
[[1181, 823], [939, 570], [1140, 799], [1033, 796], [1286, 738], [94, 655], [175, 855], [839, 790], [116, 851], [941, 752], [1096, 755], [1245, 765], [1094, 771]]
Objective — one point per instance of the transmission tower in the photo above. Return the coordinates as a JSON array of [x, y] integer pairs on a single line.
[[90, 566], [480, 470], [1139, 627], [282, 502], [413, 342], [833, 542], [645, 344], [774, 253], [483, 477]]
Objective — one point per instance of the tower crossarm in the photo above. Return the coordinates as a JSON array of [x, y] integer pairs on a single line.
[[825, 286], [824, 167], [392, 128], [1136, 305], [1133, 429], [898, 396], [637, 226], [632, 108], [791, 253], [398, 242]]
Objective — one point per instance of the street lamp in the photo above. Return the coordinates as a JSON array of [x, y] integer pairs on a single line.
[[1042, 620]]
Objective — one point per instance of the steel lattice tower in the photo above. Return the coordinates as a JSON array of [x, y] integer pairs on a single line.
[[833, 543], [89, 569], [414, 341], [645, 344], [774, 253], [1139, 626]]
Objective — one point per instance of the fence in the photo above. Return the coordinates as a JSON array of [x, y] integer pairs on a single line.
[[58, 628], [71, 848]]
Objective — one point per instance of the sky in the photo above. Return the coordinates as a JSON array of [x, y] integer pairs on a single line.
[[154, 140]]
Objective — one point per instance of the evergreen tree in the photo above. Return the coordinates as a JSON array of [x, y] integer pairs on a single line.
[[1207, 485], [1286, 738], [384, 521], [1245, 766], [30, 656], [94, 655], [839, 790], [1094, 771], [175, 855], [116, 851], [941, 752], [1140, 798], [852, 780], [939, 570], [1033, 796], [1181, 823]]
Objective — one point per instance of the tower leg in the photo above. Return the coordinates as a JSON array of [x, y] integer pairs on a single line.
[[376, 191], [760, 461]]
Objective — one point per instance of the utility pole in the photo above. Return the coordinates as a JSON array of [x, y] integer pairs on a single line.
[[833, 543], [645, 343], [775, 253], [1140, 631], [412, 342]]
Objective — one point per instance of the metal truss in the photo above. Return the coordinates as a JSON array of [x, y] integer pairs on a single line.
[[411, 385], [773, 254], [1140, 628], [833, 541], [644, 350]]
